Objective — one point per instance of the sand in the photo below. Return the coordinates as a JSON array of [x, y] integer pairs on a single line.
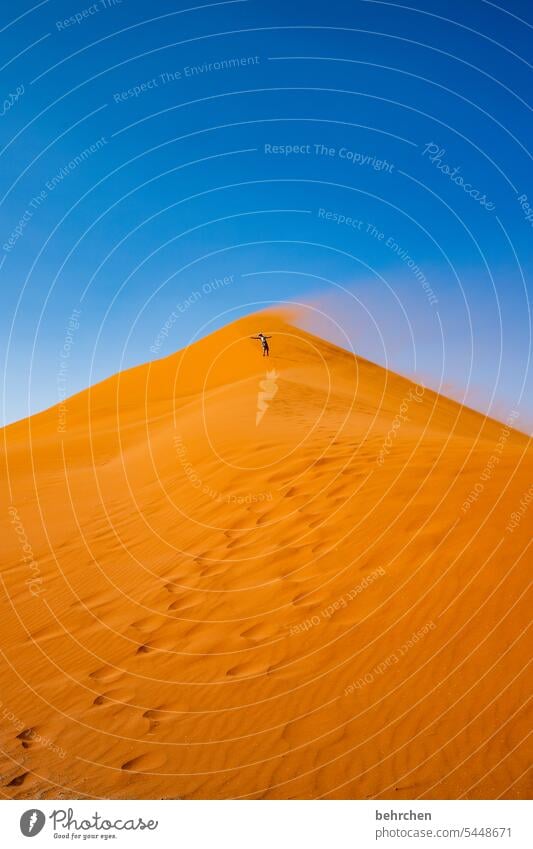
[[231, 577]]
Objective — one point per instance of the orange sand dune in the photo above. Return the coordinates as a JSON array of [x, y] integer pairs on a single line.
[[219, 582]]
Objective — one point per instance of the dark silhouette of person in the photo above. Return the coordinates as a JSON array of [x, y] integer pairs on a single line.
[[263, 339]]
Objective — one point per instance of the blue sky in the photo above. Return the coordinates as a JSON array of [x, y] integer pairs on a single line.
[[365, 158]]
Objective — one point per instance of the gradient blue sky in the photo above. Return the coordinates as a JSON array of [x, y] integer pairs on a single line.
[[181, 191]]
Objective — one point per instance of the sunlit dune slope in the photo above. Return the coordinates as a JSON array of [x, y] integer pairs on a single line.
[[232, 576]]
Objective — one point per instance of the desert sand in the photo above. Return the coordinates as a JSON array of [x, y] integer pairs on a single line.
[[226, 576]]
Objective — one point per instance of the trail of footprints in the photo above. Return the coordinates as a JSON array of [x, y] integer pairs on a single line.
[[210, 564]]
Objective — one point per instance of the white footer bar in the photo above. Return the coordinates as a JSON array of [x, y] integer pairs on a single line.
[[267, 825]]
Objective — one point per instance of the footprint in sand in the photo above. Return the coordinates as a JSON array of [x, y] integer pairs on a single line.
[[48, 632], [149, 762], [322, 547], [260, 632], [154, 716], [298, 599], [105, 673], [148, 623], [240, 542], [213, 571], [249, 668], [120, 696], [172, 588], [306, 600], [316, 522], [18, 780], [186, 602], [28, 737], [210, 554], [175, 575], [164, 644], [324, 461]]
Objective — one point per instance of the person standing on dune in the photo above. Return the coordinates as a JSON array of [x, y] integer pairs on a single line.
[[263, 339]]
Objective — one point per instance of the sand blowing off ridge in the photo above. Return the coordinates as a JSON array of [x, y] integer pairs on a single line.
[[295, 577]]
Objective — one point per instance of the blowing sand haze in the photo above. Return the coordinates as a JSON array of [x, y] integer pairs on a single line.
[[232, 577]]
